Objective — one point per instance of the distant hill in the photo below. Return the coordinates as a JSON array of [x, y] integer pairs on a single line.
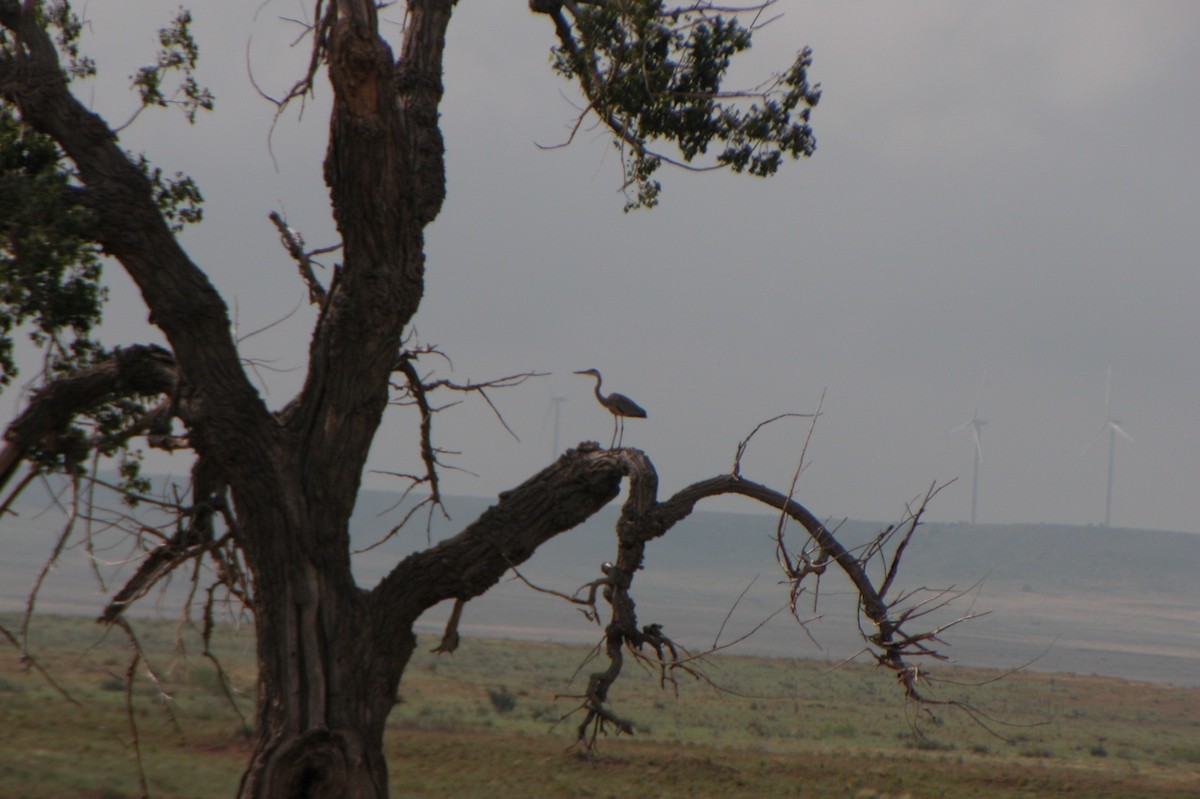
[[1085, 599]]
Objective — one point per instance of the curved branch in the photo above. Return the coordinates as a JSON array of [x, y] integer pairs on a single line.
[[565, 494], [683, 503], [145, 370]]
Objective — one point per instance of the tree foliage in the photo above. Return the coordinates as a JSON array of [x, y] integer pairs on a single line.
[[50, 255], [657, 74], [50, 264], [178, 52]]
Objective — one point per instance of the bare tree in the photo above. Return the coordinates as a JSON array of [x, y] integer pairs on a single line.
[[272, 490]]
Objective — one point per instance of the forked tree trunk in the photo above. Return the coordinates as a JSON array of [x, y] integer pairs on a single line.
[[331, 655]]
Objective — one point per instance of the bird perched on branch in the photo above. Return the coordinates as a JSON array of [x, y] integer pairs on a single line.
[[618, 405]]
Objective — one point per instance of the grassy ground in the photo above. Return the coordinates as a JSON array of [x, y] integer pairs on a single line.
[[487, 721]]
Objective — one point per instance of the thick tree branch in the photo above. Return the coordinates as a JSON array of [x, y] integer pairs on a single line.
[[563, 496], [145, 370], [575, 487], [559, 498]]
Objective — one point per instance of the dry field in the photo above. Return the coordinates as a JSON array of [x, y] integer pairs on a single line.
[[489, 721]]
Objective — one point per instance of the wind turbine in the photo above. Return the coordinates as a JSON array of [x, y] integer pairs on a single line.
[[1113, 428], [975, 423]]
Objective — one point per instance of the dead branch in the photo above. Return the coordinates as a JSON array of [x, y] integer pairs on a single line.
[[732, 608], [59, 545], [293, 242], [432, 502], [745, 442], [194, 537], [643, 518], [481, 388], [418, 391], [130, 715], [28, 661], [911, 523], [586, 606]]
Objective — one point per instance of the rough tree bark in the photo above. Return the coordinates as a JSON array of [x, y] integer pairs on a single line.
[[331, 654]]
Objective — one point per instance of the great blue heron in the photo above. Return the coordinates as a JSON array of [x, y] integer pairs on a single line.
[[618, 405]]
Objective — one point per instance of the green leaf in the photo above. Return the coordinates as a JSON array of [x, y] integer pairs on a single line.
[[49, 266], [656, 77]]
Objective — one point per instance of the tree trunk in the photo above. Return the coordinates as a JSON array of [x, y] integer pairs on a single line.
[[331, 655], [326, 680], [325, 691]]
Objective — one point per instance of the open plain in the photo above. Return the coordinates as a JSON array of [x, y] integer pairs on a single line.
[[495, 719]]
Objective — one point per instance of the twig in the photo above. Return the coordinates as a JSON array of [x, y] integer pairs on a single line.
[[293, 242], [732, 608], [30, 662]]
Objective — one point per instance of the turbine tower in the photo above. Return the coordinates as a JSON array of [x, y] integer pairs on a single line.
[[975, 423], [1113, 428]]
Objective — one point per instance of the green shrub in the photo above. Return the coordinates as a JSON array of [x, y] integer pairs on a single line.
[[502, 700]]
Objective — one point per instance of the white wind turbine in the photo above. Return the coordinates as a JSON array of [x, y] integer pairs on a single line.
[[1113, 428], [975, 423]]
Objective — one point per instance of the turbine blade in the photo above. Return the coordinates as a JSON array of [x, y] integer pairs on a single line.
[[1117, 427], [962, 426]]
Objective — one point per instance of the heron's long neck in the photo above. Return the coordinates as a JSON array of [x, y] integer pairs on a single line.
[[599, 396]]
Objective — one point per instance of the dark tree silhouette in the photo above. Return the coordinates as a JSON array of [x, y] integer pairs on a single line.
[[273, 489]]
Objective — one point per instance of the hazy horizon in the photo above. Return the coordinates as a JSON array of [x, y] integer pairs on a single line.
[[1082, 599]]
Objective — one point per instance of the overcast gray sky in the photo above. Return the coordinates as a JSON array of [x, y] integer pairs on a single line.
[[1002, 188]]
